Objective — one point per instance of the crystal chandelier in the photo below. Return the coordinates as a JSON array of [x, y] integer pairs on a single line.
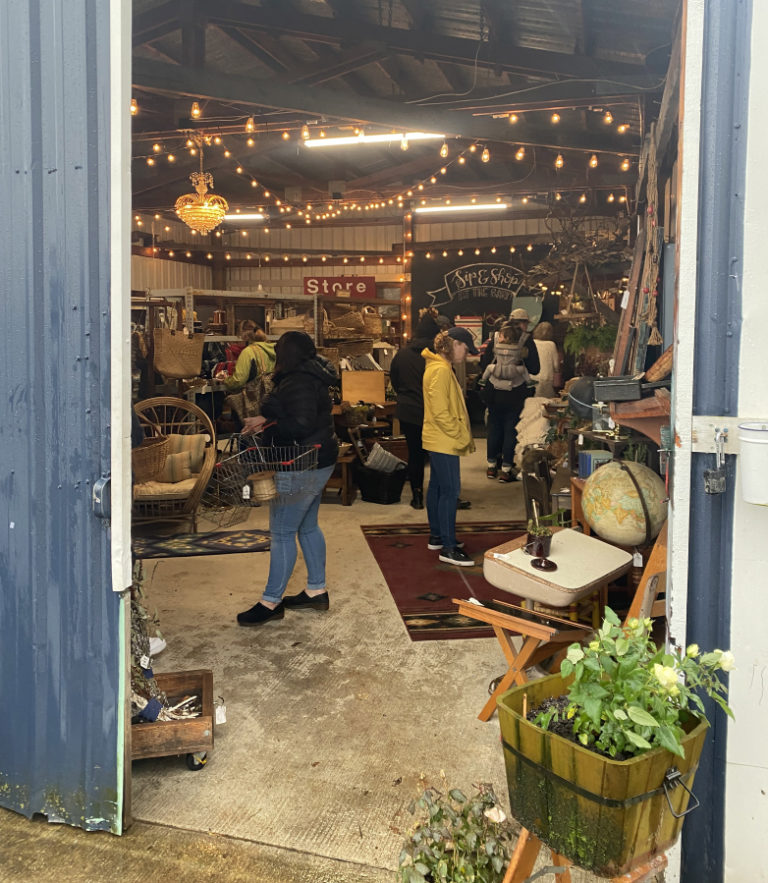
[[201, 211]]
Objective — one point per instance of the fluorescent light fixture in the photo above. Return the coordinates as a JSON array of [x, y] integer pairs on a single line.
[[362, 138], [244, 216], [477, 207]]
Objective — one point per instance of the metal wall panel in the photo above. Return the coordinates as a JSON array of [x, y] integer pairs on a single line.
[[161, 273], [59, 619]]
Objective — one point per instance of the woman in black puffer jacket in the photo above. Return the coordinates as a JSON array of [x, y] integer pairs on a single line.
[[300, 405]]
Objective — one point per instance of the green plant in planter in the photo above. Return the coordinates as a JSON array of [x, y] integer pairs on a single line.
[[627, 697], [460, 839], [581, 337], [538, 530]]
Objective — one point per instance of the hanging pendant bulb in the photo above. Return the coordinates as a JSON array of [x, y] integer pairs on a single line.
[[513, 118], [485, 156], [520, 154], [608, 118], [555, 118], [593, 161], [404, 143], [444, 150], [625, 165], [559, 162], [134, 107], [305, 131], [611, 197], [250, 125], [583, 198], [194, 111]]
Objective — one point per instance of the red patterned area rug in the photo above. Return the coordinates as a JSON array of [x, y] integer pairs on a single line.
[[422, 586]]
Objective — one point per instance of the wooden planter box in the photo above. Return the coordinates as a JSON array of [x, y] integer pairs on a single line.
[[604, 815], [161, 738]]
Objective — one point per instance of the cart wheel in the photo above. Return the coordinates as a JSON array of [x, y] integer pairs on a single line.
[[197, 761]]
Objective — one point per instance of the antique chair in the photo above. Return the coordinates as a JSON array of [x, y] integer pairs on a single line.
[[175, 495]]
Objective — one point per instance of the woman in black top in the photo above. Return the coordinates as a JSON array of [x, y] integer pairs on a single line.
[[300, 406]]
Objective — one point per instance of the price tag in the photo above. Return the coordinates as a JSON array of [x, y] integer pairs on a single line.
[[580, 439], [144, 662], [625, 299], [611, 423], [221, 714], [637, 560]]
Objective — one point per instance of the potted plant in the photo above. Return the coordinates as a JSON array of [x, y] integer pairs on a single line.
[[591, 345], [601, 758], [539, 541], [458, 839]]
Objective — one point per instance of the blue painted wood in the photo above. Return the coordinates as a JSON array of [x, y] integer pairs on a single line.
[[59, 619]]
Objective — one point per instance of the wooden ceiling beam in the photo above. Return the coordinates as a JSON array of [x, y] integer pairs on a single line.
[[258, 49], [346, 63], [456, 50], [157, 22], [154, 76]]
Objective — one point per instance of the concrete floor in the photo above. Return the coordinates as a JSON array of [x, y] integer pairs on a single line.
[[333, 720]]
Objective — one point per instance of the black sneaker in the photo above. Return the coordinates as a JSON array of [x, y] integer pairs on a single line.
[[463, 504], [491, 471], [456, 556], [436, 543], [260, 613], [296, 602], [506, 475]]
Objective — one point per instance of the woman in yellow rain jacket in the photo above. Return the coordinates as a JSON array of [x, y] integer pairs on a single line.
[[447, 435]]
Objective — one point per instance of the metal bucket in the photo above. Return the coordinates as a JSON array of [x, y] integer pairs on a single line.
[[262, 486]]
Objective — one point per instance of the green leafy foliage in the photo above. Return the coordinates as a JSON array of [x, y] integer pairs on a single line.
[[627, 696], [458, 839], [581, 337]]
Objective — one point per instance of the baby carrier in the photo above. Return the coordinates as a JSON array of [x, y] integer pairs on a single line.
[[507, 370]]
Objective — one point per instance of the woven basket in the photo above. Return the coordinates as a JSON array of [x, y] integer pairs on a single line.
[[359, 347], [323, 326], [178, 355], [661, 367], [148, 459], [352, 319], [288, 323], [372, 322]]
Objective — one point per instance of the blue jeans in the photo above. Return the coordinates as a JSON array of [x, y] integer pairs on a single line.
[[292, 513], [443, 493]]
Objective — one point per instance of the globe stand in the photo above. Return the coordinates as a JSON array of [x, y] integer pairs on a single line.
[[544, 564]]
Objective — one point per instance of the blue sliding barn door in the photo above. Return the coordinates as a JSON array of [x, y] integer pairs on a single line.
[[60, 621]]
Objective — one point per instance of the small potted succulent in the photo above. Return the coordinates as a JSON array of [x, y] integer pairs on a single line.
[[539, 541], [601, 757], [458, 839]]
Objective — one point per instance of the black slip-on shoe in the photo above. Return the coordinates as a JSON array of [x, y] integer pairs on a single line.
[[436, 543], [259, 613], [418, 500], [463, 504], [317, 602], [491, 471], [456, 556], [506, 476]]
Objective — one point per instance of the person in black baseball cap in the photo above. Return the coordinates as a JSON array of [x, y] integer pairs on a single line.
[[462, 335]]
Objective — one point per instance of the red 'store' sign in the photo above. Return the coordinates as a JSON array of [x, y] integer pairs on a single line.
[[341, 286]]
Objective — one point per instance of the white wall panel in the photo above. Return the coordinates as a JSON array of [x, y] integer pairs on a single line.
[[162, 273]]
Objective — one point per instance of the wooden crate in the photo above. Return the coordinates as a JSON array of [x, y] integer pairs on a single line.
[[162, 738]]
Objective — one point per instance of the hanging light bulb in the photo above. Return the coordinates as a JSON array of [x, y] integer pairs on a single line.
[[194, 111], [583, 197], [134, 107], [460, 252], [558, 196], [171, 158], [559, 162], [477, 251], [525, 200], [485, 156], [513, 118], [445, 253], [611, 197], [529, 247], [444, 150], [555, 118], [403, 143], [250, 125], [305, 131], [593, 161], [624, 127], [286, 136], [512, 249], [150, 160], [625, 165], [462, 160], [608, 118], [520, 154]]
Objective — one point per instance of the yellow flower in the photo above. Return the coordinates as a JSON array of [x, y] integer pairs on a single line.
[[727, 661], [495, 814], [693, 650], [594, 645], [665, 675]]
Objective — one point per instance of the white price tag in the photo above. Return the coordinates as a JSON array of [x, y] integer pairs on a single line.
[[144, 662], [246, 492], [637, 560], [625, 299], [221, 714], [580, 439]]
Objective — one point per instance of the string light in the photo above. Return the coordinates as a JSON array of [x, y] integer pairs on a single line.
[[529, 247], [608, 118], [403, 143], [156, 147], [250, 125], [559, 162], [593, 161], [462, 160], [555, 118], [513, 118], [485, 156], [444, 150], [194, 111], [171, 158], [611, 197], [520, 155], [625, 165], [624, 127], [134, 107], [558, 196], [583, 197]]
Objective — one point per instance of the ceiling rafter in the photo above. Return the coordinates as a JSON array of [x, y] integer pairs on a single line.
[[159, 77], [399, 40], [258, 48], [157, 22], [346, 63]]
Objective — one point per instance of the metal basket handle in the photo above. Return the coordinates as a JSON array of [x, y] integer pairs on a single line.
[[672, 778]]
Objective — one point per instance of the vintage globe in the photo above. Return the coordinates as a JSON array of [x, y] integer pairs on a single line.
[[612, 507]]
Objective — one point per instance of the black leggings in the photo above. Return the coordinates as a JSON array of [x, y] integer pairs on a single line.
[[416, 454]]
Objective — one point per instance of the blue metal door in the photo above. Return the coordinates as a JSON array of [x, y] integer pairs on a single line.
[[59, 618]]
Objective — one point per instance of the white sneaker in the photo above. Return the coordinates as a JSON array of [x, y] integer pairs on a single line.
[[156, 645]]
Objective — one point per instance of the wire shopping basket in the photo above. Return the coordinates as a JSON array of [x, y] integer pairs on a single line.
[[246, 478]]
